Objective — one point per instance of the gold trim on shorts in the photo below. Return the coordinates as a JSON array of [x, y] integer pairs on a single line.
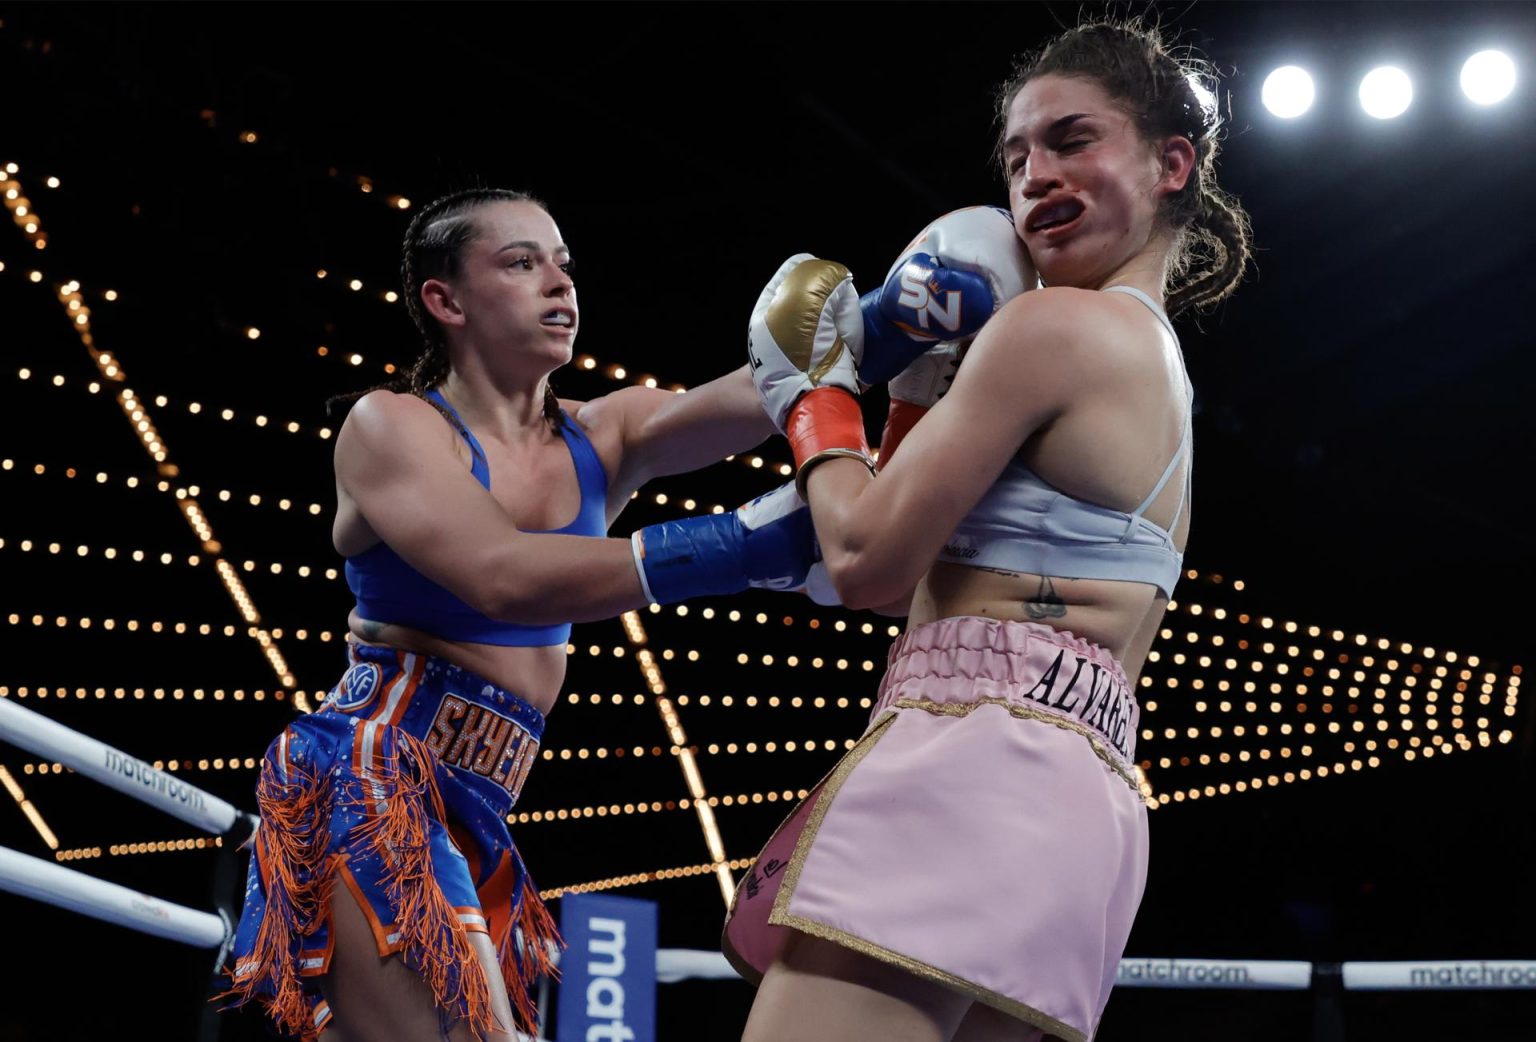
[[825, 790], [781, 916], [1028, 713]]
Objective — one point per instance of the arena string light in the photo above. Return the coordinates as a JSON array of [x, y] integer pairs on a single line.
[[192, 765], [226, 570], [136, 482], [852, 624], [28, 808], [755, 701], [236, 763], [634, 632], [140, 405], [1343, 701], [325, 433], [137, 414], [1410, 747], [754, 461], [140, 694], [111, 625], [654, 807], [399, 203], [634, 879], [357, 284], [158, 846], [165, 558], [616, 372], [254, 499], [26, 545], [183, 766]]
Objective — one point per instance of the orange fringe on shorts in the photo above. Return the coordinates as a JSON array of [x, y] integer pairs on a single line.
[[298, 874]]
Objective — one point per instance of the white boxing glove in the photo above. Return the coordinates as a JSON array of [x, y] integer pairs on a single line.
[[930, 376], [948, 281], [804, 334], [916, 389], [978, 239]]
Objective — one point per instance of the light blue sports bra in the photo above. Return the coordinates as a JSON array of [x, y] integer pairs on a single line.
[[1023, 524]]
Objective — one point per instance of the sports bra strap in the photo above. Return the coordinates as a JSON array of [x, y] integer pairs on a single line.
[[1184, 439], [1149, 302], [590, 474], [481, 467]]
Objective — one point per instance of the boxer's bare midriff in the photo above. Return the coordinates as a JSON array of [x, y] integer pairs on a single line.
[[1120, 617], [533, 674]]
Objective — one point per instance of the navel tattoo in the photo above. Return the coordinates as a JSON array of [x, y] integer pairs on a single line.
[[1046, 604]]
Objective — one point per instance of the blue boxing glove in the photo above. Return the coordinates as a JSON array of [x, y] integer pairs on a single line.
[[766, 544], [951, 279]]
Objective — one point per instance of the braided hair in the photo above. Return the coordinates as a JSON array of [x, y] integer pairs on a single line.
[[1166, 97], [433, 249]]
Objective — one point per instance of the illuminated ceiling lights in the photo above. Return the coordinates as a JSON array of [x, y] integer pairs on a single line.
[[1488, 77], [137, 413], [1288, 92], [1386, 92]]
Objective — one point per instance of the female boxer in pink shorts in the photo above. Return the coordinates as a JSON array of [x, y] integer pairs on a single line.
[[971, 869]]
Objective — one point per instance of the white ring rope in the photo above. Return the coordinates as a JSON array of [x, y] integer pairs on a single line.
[[66, 888], [54, 884], [115, 769], [44, 881], [675, 964], [1458, 974], [1246, 974]]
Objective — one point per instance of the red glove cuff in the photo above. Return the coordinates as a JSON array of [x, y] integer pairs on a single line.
[[826, 424], [898, 423]]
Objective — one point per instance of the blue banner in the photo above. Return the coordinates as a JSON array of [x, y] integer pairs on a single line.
[[608, 971]]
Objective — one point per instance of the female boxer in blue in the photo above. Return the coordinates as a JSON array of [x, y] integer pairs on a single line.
[[384, 888]]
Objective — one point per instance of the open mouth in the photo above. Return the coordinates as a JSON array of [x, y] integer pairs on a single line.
[[559, 318], [1054, 216]]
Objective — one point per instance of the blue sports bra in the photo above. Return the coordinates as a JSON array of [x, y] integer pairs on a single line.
[[1024, 524], [389, 590]]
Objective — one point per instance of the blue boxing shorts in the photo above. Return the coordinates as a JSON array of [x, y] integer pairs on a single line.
[[398, 788]]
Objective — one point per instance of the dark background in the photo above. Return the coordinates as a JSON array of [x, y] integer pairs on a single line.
[[1364, 429]]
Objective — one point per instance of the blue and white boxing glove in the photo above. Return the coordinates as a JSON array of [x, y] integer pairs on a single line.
[[818, 586], [946, 284], [768, 543]]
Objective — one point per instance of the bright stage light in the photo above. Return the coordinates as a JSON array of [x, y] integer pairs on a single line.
[[1386, 92], [1488, 77], [1288, 91]]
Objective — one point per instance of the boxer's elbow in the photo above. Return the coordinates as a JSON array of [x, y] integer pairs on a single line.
[[513, 601], [854, 553], [862, 576], [516, 588]]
